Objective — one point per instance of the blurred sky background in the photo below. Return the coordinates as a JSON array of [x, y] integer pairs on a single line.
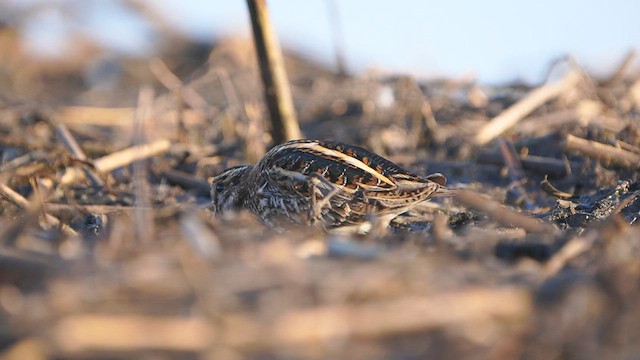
[[495, 41]]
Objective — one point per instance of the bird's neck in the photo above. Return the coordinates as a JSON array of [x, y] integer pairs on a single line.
[[244, 184]]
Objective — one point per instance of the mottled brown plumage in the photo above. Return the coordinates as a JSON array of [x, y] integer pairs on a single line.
[[310, 181]]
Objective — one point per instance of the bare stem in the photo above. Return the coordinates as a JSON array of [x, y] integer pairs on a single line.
[[274, 77]]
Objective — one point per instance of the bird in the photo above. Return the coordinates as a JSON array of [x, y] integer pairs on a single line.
[[329, 183]]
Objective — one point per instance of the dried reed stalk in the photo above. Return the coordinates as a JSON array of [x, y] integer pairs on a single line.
[[525, 106], [596, 150], [284, 124], [143, 225], [118, 159], [72, 145]]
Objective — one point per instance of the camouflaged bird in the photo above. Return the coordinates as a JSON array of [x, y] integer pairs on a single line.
[[326, 182]]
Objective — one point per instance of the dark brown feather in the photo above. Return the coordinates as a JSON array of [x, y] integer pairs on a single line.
[[307, 181]]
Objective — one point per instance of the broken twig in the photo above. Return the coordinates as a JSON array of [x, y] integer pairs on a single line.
[[569, 251], [501, 213], [119, 158], [597, 150], [70, 143], [143, 224], [514, 166], [547, 187], [524, 107], [173, 83], [33, 208]]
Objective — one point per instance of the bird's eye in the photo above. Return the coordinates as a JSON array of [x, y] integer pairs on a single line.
[[219, 187]]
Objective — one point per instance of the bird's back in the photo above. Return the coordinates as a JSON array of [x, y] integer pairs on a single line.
[[349, 182]]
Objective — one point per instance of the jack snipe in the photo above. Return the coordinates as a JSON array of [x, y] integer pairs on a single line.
[[310, 181]]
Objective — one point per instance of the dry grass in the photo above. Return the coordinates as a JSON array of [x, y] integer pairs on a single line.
[[107, 249]]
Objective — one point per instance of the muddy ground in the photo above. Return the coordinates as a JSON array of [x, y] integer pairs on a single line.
[[107, 253]]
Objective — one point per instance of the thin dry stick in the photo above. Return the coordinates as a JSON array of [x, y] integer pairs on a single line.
[[181, 93], [229, 91], [274, 77], [254, 146], [569, 251], [547, 123], [419, 106], [32, 207], [143, 219], [624, 203], [547, 187], [64, 209], [42, 190], [27, 159], [10, 232], [13, 196], [131, 154], [119, 159], [501, 213], [596, 150], [511, 159], [540, 164], [316, 208], [628, 147], [524, 107], [514, 166], [173, 83], [70, 142]]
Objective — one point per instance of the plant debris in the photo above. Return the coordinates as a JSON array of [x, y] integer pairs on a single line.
[[107, 249]]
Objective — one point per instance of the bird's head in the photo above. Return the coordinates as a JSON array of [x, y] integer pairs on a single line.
[[228, 190]]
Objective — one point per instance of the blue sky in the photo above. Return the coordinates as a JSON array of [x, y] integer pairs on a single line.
[[496, 41]]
